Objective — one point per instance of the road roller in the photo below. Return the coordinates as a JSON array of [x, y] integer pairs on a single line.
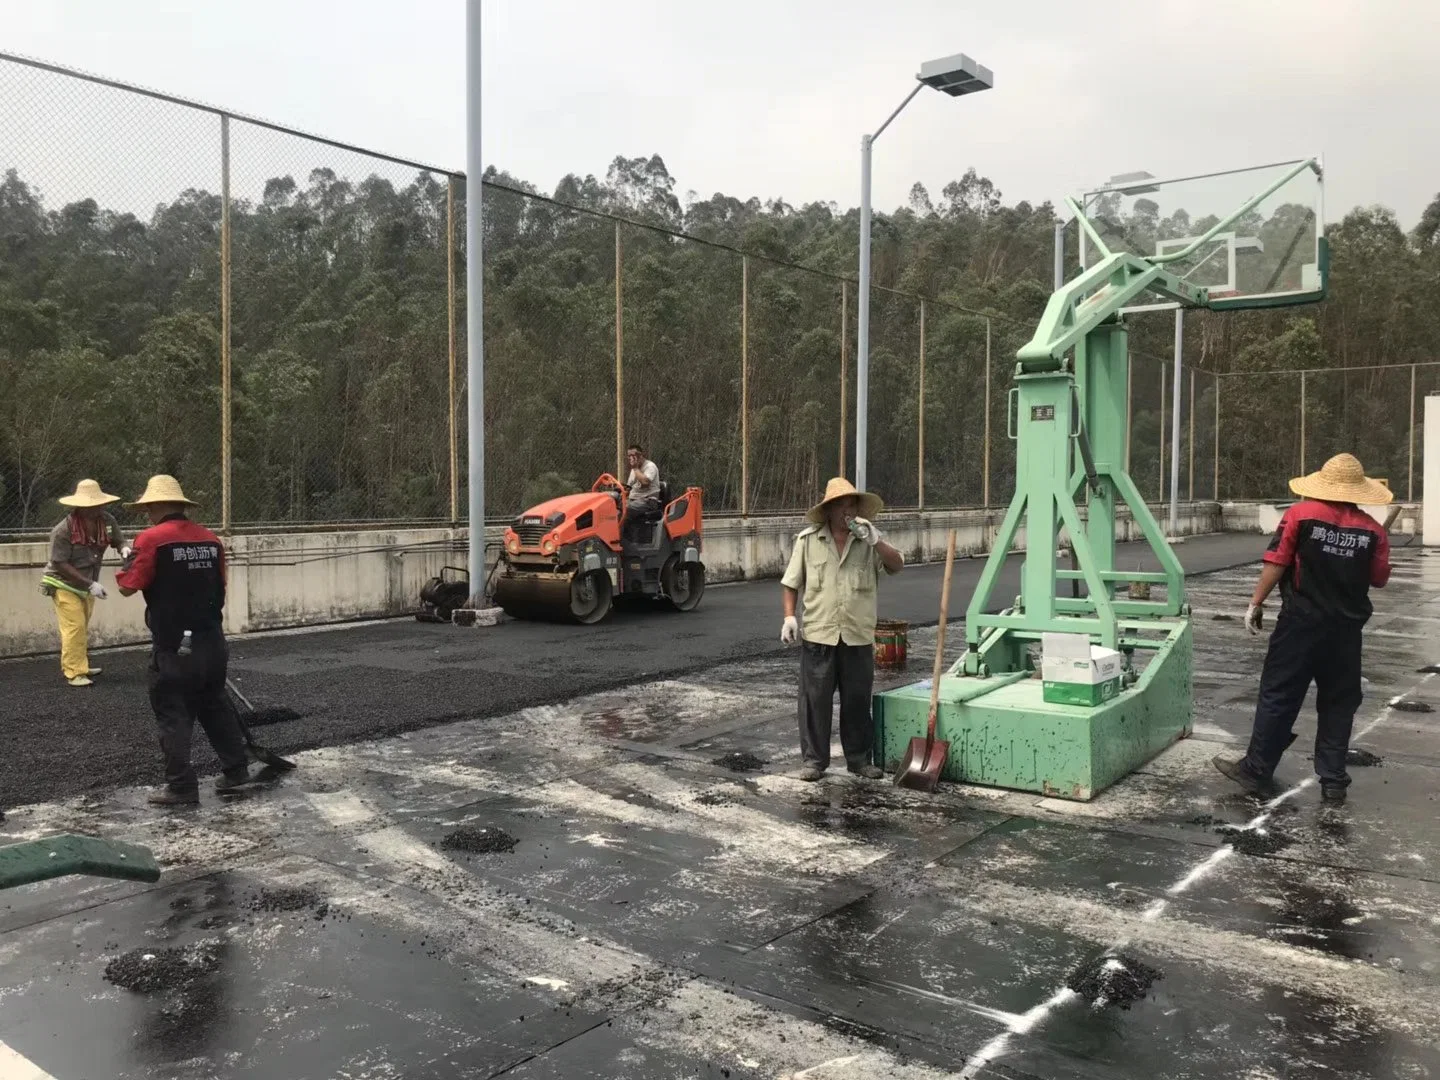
[[570, 559]]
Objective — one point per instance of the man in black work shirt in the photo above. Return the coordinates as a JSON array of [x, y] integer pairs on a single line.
[[180, 567], [1326, 556]]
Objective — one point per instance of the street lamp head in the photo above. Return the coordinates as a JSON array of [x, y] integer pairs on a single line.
[[956, 75], [1131, 183]]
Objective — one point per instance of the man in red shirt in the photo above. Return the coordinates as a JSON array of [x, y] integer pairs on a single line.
[[180, 567], [1326, 555]]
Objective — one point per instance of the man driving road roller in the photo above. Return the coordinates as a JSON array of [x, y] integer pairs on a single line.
[[644, 484]]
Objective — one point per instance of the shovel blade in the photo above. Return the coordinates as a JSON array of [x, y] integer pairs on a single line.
[[921, 766]]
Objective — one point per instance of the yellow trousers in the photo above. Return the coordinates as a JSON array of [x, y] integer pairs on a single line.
[[74, 614]]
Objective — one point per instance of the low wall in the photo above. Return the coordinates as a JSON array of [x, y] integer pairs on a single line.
[[287, 580], [1263, 517]]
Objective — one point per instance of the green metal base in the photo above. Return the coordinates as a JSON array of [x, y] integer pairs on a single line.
[[59, 856], [1002, 734]]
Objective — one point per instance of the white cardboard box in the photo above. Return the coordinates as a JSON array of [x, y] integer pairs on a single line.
[[1071, 658]]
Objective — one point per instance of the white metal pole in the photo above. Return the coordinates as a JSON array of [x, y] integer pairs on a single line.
[[474, 303], [1175, 425], [862, 334], [1059, 254]]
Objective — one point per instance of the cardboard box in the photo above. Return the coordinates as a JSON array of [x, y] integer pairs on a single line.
[[1074, 672]]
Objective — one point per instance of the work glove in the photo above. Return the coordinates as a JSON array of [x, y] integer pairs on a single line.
[[97, 590], [126, 553], [790, 630], [865, 531], [1254, 618]]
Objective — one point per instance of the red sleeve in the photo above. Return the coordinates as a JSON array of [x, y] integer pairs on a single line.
[[1281, 551], [1380, 561], [141, 571]]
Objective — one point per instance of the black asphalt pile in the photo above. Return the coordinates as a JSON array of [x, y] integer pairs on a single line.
[[475, 841], [272, 714], [151, 971], [1259, 841], [1355, 756], [740, 762], [716, 798], [1118, 980], [1412, 706], [296, 898]]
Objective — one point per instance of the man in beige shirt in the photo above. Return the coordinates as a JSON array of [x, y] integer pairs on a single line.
[[837, 562]]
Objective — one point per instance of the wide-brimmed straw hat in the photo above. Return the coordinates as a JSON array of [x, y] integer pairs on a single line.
[[162, 489], [1342, 479], [839, 488], [87, 496]]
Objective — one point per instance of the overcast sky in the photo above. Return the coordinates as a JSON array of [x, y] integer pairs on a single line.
[[769, 97]]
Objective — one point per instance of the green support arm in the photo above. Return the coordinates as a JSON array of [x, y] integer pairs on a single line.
[[58, 856]]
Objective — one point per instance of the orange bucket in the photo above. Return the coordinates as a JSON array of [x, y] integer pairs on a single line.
[[891, 643]]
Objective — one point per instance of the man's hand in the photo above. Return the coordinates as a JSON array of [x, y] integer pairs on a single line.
[[789, 630], [865, 531], [126, 552], [1254, 618], [97, 590]]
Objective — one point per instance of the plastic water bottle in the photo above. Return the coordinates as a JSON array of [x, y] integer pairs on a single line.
[[184, 649]]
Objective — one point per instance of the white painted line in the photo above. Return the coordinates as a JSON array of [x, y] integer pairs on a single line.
[[15, 1066]]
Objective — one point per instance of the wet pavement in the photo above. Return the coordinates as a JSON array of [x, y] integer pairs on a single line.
[[660, 915]]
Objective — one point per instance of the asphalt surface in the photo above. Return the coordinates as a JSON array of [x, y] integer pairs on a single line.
[[627, 907], [376, 680]]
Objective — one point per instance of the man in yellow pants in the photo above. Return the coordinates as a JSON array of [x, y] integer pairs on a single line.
[[72, 576]]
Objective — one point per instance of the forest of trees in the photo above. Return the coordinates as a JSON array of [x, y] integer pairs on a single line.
[[110, 331]]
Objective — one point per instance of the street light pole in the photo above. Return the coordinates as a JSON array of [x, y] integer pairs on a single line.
[[954, 75], [474, 305]]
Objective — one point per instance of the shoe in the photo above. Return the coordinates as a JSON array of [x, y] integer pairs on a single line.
[[233, 783], [1332, 793], [94, 671], [811, 773], [868, 772], [81, 680], [1235, 769], [167, 797]]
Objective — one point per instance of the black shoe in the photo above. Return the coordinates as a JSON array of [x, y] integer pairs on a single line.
[[810, 773], [167, 797], [1235, 769], [868, 772], [1332, 793], [235, 782]]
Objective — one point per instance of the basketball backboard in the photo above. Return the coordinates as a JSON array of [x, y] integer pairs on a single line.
[[1271, 256]]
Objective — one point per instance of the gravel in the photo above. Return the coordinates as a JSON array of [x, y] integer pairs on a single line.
[[740, 762], [150, 971], [297, 898], [1362, 757], [1118, 980], [1259, 841], [475, 841]]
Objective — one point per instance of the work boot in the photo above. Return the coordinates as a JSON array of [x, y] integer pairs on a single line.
[[235, 782], [170, 797], [1334, 794], [81, 680], [1236, 770], [868, 772], [811, 773]]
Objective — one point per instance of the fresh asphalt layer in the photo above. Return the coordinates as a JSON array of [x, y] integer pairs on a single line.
[[381, 679], [645, 913]]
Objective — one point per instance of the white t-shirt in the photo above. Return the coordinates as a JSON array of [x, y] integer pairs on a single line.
[[645, 482]]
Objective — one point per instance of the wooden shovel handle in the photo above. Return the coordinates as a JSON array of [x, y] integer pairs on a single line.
[[940, 637]]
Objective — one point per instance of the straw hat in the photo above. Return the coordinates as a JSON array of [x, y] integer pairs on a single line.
[[87, 495], [162, 489], [1342, 479], [838, 488]]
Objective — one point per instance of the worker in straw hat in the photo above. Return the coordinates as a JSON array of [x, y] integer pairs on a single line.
[[837, 561], [180, 567], [1325, 555], [72, 574]]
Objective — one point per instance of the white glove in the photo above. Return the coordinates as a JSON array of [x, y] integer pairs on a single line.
[[1254, 616], [126, 552], [790, 630], [865, 531], [97, 590]]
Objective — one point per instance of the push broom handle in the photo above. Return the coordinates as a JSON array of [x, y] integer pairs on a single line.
[[940, 638]]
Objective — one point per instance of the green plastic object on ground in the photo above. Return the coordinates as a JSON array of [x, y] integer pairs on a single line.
[[58, 856], [1068, 415]]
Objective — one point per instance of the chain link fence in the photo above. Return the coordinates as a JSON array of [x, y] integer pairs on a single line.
[[279, 320]]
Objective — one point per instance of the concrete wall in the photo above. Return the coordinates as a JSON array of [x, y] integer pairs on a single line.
[[306, 579], [1261, 517]]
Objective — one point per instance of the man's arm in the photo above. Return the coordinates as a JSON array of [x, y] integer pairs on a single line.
[[1270, 575], [891, 559], [60, 552], [141, 571], [1380, 561], [117, 538]]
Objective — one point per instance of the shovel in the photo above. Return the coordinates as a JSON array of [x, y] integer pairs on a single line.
[[241, 706], [924, 758]]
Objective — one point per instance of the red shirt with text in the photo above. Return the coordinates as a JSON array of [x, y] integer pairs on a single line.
[[1332, 553], [180, 567]]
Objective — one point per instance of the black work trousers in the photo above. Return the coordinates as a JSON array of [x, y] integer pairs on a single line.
[[823, 670], [184, 689], [1302, 650]]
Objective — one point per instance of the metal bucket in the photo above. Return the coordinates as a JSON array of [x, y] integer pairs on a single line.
[[891, 643]]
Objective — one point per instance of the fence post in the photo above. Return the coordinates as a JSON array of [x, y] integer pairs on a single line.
[[1410, 486], [1216, 479], [985, 490], [619, 361], [844, 363], [1302, 423], [450, 328], [1190, 490], [920, 453], [744, 386], [226, 435]]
